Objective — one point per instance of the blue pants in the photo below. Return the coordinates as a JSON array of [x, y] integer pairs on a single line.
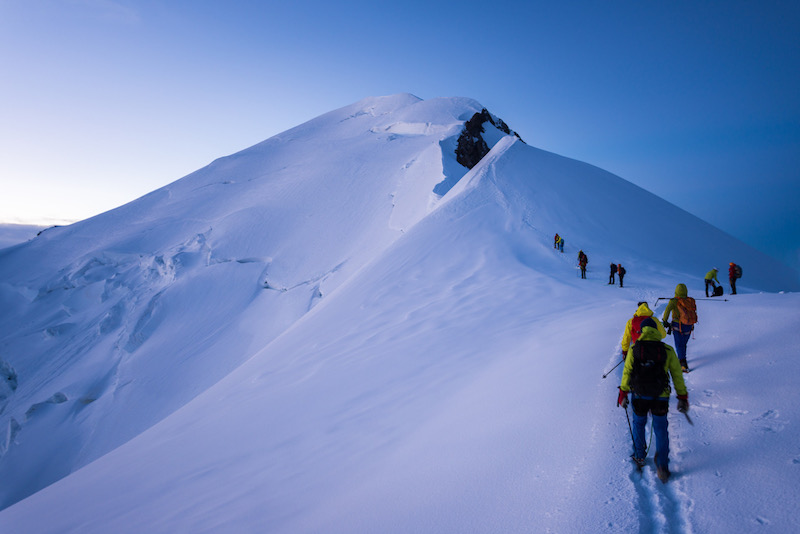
[[658, 408], [681, 333]]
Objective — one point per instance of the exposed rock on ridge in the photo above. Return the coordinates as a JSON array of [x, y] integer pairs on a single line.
[[471, 144]]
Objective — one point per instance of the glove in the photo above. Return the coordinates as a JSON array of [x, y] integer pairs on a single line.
[[622, 400], [683, 403], [667, 326]]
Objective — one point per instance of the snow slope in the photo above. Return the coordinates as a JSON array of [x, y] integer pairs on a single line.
[[304, 337]]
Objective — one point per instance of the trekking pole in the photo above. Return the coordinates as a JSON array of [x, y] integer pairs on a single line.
[[668, 298], [609, 371], [630, 427]]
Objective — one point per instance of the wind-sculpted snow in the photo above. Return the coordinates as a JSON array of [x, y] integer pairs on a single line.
[[342, 329]]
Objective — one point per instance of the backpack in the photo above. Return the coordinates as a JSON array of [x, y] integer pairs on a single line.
[[648, 376], [737, 270], [687, 308], [622, 271], [717, 291]]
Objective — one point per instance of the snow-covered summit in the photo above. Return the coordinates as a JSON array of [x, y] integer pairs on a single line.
[[296, 320]]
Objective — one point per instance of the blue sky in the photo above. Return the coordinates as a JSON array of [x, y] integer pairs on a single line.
[[106, 100]]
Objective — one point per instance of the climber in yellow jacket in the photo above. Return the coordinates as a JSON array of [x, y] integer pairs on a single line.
[[633, 327], [710, 277]]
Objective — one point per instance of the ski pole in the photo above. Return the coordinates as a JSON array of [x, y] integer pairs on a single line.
[[688, 418], [668, 298]]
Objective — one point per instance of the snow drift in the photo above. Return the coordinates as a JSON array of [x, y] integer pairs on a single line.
[[340, 328]]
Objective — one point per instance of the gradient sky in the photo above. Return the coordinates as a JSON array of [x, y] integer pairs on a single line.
[[102, 101]]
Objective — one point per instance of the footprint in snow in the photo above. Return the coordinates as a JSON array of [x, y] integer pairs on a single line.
[[769, 421], [731, 411]]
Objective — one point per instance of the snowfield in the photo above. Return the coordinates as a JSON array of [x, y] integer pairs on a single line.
[[341, 329]]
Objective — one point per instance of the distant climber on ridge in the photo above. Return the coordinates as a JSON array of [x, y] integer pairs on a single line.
[[734, 272], [710, 277], [611, 280], [583, 259]]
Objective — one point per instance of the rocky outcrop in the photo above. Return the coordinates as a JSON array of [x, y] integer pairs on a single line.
[[471, 144]]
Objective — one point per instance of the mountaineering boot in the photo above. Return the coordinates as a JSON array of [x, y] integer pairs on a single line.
[[684, 366], [638, 461], [662, 472]]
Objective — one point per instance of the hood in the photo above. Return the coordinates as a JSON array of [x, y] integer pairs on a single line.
[[643, 311], [650, 334], [681, 291]]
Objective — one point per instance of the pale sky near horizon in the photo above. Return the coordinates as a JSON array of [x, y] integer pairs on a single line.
[[104, 101]]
